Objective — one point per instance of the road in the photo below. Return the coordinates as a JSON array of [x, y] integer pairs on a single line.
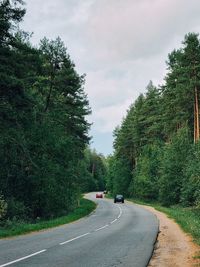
[[113, 235]]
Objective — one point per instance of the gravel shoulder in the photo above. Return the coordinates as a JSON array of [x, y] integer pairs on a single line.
[[173, 248]]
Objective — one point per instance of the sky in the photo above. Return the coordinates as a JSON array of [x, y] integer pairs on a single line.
[[119, 44]]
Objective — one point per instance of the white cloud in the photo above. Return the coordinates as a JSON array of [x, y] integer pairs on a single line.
[[108, 118], [124, 30], [120, 45]]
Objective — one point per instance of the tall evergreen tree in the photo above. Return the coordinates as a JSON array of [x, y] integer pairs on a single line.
[[162, 122], [43, 127]]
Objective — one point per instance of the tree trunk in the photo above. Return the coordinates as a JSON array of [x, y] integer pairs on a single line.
[[49, 95], [196, 117]]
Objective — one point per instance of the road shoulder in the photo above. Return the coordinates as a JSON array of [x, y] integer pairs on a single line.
[[173, 248]]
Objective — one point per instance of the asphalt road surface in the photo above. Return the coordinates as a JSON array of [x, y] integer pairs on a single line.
[[113, 235]]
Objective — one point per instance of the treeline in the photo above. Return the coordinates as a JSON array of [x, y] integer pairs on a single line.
[[45, 162], [156, 148]]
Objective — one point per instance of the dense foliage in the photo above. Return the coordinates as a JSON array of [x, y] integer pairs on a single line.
[[45, 162], [155, 156]]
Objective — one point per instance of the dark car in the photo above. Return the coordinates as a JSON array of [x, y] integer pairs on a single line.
[[119, 198]]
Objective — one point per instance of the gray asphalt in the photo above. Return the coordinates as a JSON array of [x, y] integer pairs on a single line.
[[113, 235]]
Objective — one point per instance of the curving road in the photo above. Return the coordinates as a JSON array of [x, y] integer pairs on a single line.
[[113, 235]]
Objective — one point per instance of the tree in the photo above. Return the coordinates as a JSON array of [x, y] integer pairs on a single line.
[[180, 94], [43, 129], [190, 191], [153, 142], [97, 169], [11, 13], [173, 168], [145, 181], [119, 176]]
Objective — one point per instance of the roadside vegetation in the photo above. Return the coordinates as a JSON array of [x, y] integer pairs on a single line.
[[45, 159], [17, 227], [156, 148]]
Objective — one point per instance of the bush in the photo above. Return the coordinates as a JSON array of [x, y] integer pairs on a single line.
[[16, 210], [190, 194], [146, 175], [3, 208], [173, 168]]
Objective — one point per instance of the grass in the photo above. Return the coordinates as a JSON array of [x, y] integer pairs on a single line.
[[197, 256], [187, 218], [17, 228]]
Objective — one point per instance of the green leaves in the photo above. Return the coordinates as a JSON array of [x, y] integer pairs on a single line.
[[10, 14], [173, 168], [44, 131], [154, 142]]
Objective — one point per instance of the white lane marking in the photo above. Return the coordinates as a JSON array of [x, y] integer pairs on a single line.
[[120, 213], [101, 228], [70, 240], [113, 221], [21, 259]]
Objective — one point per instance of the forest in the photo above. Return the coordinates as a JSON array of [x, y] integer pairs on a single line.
[[156, 147], [46, 162], [45, 155]]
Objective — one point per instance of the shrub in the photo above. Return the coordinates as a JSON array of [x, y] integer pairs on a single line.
[[16, 210], [3, 208]]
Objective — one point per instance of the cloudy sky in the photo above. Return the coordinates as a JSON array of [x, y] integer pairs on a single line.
[[120, 44]]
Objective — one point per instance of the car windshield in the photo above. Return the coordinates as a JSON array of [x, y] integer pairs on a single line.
[[119, 196]]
